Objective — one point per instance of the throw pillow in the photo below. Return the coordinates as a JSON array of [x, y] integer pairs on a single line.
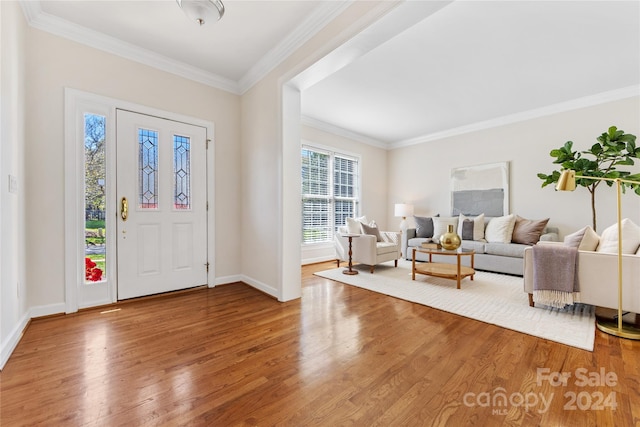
[[353, 224], [584, 239], [372, 230], [500, 229], [440, 224], [528, 231], [424, 226], [630, 240], [573, 240], [471, 228], [590, 241]]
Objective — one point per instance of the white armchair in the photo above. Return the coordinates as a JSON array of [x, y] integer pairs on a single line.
[[366, 249]]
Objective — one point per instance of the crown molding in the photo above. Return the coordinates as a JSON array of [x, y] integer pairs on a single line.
[[72, 31], [344, 133], [30, 9], [309, 27], [584, 102]]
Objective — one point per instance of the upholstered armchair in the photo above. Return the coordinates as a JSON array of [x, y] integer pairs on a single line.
[[366, 249]]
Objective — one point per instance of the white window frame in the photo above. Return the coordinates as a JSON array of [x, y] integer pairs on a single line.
[[333, 153], [79, 294]]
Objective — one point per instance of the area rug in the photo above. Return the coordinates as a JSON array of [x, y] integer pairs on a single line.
[[492, 298]]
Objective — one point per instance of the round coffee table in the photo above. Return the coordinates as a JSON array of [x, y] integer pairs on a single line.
[[438, 269]]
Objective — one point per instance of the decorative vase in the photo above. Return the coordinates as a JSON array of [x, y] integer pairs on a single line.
[[450, 240]]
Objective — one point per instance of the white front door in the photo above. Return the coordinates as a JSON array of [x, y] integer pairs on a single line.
[[162, 205]]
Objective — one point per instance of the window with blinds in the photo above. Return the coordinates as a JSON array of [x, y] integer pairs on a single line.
[[329, 193]]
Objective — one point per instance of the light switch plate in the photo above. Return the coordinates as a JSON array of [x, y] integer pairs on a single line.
[[13, 184]]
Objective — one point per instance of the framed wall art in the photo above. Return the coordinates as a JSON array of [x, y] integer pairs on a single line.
[[481, 189]]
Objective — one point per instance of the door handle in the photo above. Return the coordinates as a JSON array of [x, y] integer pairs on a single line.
[[124, 209]]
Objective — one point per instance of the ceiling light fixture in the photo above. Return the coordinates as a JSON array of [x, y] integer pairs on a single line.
[[202, 11]]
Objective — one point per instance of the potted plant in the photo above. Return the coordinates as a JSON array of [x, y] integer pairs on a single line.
[[614, 148]]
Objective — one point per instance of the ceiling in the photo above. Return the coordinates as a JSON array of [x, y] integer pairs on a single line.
[[231, 54], [445, 66], [471, 63]]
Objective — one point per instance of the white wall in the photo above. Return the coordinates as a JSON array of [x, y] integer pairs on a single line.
[[13, 305], [373, 174], [54, 63], [420, 173]]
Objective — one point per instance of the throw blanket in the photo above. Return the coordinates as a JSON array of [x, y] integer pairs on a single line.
[[555, 275]]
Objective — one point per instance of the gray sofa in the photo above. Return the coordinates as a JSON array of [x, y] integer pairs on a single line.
[[505, 258]]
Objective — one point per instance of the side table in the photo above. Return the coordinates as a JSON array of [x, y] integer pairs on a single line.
[[349, 270]]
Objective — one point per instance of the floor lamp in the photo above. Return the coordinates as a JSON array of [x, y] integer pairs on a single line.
[[567, 182]]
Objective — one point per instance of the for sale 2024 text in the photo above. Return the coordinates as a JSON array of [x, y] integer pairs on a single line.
[[582, 377]]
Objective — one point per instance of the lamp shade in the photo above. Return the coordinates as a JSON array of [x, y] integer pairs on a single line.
[[403, 210], [202, 11], [567, 181]]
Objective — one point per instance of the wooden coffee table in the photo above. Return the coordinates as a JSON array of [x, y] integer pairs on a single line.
[[438, 269]]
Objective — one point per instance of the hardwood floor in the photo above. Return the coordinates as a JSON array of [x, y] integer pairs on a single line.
[[338, 356]]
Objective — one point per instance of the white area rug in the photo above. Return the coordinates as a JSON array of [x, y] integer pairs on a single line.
[[493, 298]]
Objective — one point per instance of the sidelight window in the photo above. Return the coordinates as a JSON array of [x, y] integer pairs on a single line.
[[94, 198]]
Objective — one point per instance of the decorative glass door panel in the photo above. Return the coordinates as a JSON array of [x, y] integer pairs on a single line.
[[162, 243], [147, 169], [182, 172]]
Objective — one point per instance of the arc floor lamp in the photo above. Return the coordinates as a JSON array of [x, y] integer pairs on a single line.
[[567, 182]]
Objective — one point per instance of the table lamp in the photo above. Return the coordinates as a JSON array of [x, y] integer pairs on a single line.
[[567, 182], [404, 210]]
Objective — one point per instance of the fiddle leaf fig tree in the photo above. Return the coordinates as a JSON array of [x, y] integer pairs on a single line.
[[614, 148]]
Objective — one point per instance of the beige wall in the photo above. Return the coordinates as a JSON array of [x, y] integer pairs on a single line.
[[420, 173], [373, 174], [268, 189], [373, 171], [54, 63], [259, 192], [13, 295]]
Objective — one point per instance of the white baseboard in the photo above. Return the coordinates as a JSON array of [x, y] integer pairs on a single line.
[[47, 310], [260, 286], [227, 279], [249, 281], [307, 261], [7, 347]]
